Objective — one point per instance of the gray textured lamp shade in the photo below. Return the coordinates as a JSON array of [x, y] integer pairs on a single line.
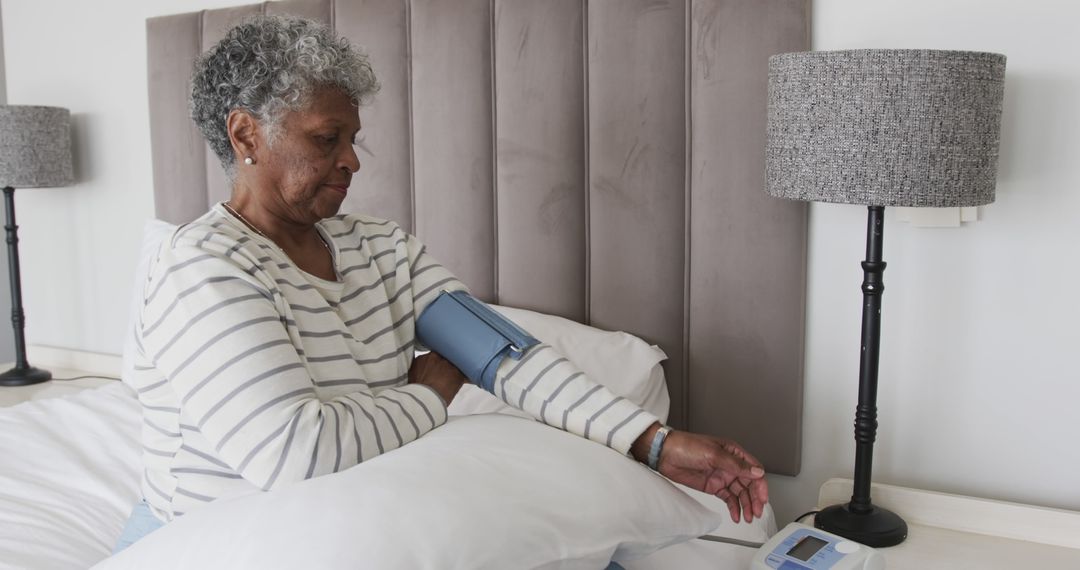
[[35, 147], [885, 127]]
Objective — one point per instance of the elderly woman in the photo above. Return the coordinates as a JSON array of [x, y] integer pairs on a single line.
[[277, 338]]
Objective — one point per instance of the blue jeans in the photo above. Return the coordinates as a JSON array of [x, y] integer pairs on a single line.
[[141, 523]]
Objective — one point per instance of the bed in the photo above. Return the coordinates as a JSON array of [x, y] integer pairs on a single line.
[[73, 465], [598, 162]]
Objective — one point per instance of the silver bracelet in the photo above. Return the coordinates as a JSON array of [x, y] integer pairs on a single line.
[[657, 445]]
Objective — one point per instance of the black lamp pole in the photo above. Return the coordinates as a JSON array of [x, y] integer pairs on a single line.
[[23, 374], [860, 520]]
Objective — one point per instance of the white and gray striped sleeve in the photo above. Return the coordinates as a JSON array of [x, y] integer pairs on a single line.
[[543, 383], [427, 276], [217, 334], [552, 389]]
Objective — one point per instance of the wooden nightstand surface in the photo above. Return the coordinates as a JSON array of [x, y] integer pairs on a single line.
[[956, 532]]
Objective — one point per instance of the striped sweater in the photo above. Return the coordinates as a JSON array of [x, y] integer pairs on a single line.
[[253, 373]]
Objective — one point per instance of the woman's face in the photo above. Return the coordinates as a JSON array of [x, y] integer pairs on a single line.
[[304, 174]]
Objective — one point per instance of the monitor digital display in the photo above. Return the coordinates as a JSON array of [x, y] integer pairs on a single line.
[[806, 548]]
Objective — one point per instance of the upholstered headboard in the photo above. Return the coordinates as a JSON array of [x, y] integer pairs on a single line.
[[602, 160]]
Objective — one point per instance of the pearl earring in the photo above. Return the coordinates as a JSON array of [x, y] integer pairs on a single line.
[[249, 161]]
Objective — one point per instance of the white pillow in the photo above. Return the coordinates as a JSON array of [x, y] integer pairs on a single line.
[[483, 491], [154, 232], [760, 530], [625, 364]]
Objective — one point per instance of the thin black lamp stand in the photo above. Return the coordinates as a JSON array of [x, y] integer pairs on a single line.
[[22, 374], [35, 152], [860, 520]]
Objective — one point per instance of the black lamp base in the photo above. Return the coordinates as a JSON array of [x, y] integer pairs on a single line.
[[877, 528], [24, 376]]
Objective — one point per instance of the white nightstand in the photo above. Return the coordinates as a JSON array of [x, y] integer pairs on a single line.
[[62, 363], [956, 532]]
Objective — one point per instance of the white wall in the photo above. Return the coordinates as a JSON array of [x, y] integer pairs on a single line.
[[3, 74], [977, 378], [7, 334], [78, 245]]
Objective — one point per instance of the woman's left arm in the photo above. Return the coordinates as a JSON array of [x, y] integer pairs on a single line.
[[543, 383], [552, 389]]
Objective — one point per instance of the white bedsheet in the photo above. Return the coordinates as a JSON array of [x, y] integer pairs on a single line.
[[70, 476], [697, 555]]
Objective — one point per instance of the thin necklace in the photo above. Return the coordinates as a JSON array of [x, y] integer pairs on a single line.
[[233, 211]]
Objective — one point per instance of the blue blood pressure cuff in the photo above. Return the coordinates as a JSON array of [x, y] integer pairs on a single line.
[[471, 335]]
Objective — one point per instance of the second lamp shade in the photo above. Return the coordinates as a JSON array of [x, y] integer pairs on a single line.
[[885, 127]]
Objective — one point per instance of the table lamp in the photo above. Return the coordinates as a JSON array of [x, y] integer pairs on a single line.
[[35, 152], [915, 128]]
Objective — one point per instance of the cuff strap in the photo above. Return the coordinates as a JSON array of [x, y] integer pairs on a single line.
[[471, 335]]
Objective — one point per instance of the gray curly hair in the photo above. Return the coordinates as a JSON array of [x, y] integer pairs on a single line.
[[267, 65]]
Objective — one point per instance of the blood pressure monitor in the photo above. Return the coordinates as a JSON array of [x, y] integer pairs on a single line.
[[802, 547]]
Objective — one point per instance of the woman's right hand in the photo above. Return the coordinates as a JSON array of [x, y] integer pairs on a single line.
[[438, 373]]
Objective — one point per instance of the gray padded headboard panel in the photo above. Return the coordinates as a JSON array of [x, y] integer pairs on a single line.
[[597, 159]]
